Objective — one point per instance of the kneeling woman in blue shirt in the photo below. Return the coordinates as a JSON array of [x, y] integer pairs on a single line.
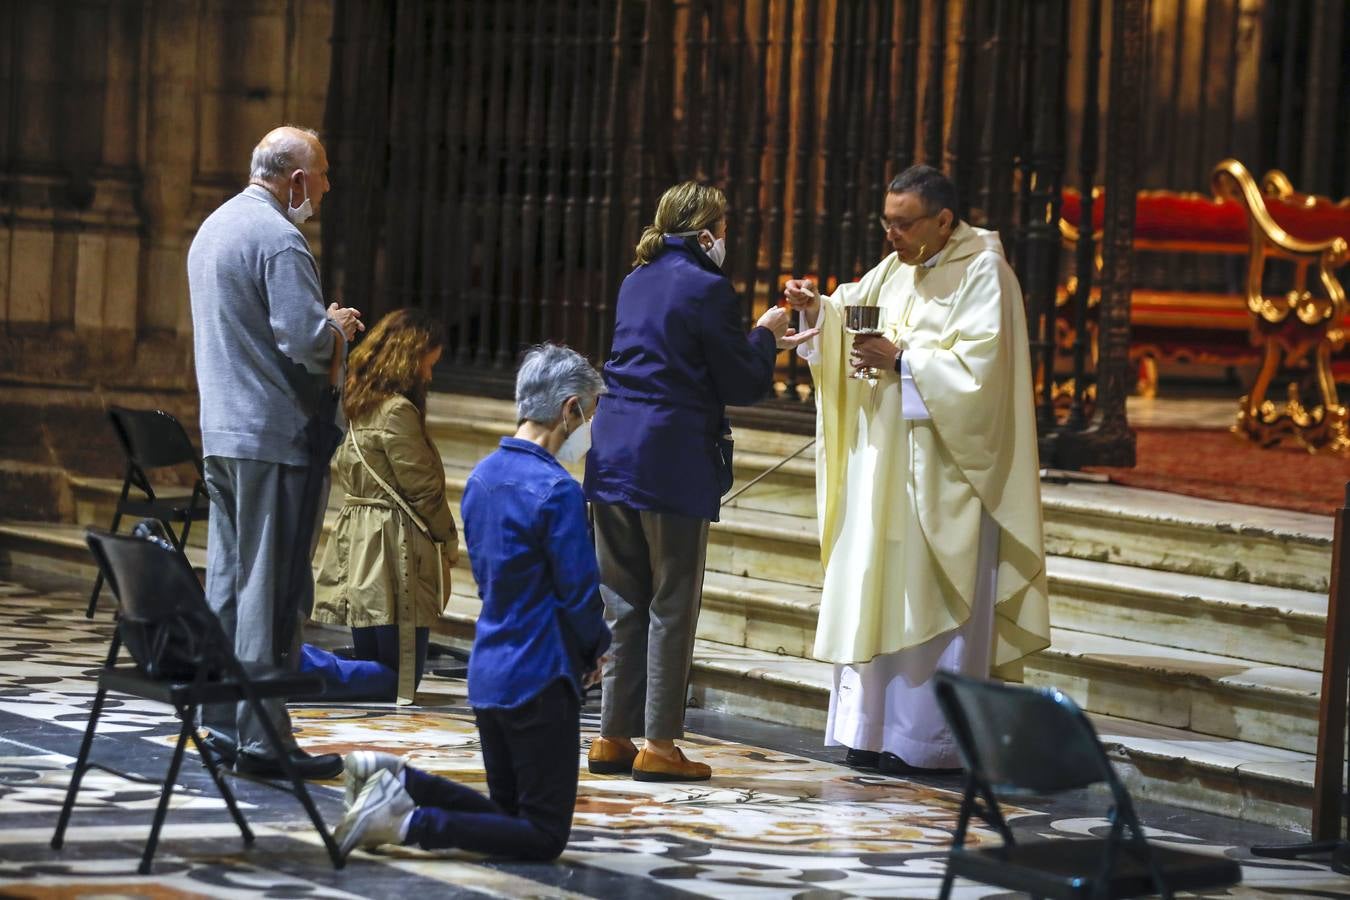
[[537, 645]]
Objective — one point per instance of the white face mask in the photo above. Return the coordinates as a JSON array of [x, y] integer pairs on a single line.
[[577, 443], [718, 252], [298, 214]]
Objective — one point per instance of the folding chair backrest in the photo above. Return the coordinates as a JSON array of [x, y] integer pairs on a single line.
[[163, 617], [151, 438], [1017, 738]]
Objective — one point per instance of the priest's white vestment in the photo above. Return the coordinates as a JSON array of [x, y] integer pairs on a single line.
[[928, 497]]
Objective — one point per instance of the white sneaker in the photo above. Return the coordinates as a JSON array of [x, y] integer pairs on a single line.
[[377, 816], [362, 765]]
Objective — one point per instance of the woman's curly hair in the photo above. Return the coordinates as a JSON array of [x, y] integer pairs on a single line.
[[388, 362]]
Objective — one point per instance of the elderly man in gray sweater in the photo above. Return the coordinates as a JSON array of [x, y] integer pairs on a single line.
[[265, 347]]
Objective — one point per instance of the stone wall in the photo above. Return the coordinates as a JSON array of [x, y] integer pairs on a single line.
[[123, 123]]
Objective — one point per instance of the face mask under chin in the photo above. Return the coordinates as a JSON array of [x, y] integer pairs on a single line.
[[298, 214]]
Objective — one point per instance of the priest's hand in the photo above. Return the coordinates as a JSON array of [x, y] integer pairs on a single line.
[[802, 295], [875, 351], [795, 338]]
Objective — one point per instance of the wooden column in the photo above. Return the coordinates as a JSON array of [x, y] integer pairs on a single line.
[[1329, 782]]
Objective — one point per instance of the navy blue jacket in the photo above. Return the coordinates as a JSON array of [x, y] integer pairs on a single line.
[[680, 357]]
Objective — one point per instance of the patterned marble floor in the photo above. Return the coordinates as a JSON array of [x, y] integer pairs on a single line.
[[780, 819]]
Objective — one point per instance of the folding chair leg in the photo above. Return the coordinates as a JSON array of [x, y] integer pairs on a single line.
[[93, 596], [958, 838], [213, 766], [187, 527], [298, 788], [995, 816], [1139, 844], [163, 809], [81, 764], [98, 580]]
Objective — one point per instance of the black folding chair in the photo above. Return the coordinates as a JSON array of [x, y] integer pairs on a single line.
[[153, 439], [1013, 740], [181, 658]]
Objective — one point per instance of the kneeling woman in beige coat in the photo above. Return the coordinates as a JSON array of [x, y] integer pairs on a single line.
[[386, 567]]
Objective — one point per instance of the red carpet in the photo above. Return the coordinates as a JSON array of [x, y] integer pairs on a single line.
[[1217, 465]]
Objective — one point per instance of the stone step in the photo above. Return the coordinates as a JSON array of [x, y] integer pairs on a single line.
[[1190, 535], [1271, 625], [1267, 626], [747, 540], [1275, 706], [59, 547], [1225, 696], [1100, 522], [1094, 522], [96, 501], [1215, 772], [1173, 765], [775, 608], [465, 429], [1204, 693], [769, 545], [1104, 522]]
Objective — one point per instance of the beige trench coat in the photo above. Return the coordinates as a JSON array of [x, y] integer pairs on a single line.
[[378, 568]]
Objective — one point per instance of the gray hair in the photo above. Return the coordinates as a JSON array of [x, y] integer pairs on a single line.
[[549, 374], [932, 187], [280, 152]]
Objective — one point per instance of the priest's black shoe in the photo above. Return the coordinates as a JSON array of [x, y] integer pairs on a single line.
[[890, 764], [311, 768], [862, 759]]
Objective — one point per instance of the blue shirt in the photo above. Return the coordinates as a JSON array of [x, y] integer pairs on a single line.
[[532, 555]]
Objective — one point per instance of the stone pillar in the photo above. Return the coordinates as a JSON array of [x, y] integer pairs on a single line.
[[173, 28], [123, 123]]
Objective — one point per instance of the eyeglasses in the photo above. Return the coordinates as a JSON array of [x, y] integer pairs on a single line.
[[888, 225]]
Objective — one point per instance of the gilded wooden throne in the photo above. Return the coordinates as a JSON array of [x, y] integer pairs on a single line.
[[1302, 328]]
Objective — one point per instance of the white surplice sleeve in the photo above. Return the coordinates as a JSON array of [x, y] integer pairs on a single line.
[[911, 401], [810, 351]]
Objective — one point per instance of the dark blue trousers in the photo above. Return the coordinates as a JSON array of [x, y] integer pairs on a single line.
[[530, 755]]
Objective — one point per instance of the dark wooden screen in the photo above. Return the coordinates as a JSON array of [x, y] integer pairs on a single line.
[[495, 160]]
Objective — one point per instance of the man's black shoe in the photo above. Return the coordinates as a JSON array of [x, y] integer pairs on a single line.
[[862, 759], [311, 768], [891, 764], [225, 750]]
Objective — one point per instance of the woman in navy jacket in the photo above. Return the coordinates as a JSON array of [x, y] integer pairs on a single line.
[[657, 469]]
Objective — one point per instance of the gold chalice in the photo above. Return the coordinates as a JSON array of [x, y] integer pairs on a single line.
[[863, 320]]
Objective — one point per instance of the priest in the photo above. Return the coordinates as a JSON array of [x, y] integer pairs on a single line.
[[927, 486]]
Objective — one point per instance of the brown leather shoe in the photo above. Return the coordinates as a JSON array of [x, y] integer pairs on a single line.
[[654, 767], [609, 757]]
